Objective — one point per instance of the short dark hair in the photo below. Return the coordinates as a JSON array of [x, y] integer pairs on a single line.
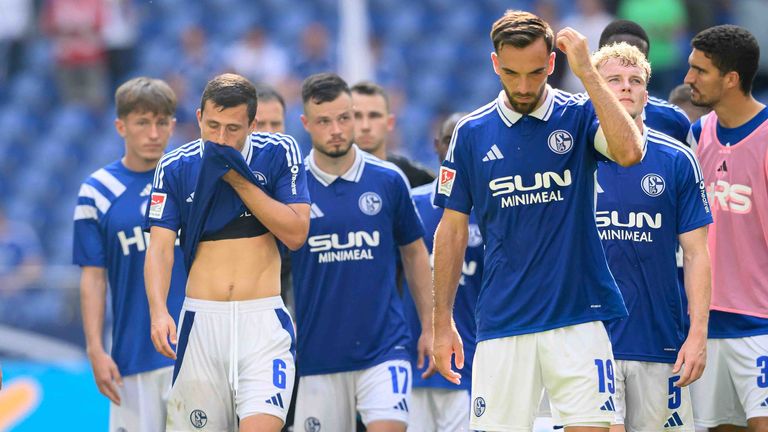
[[680, 94], [323, 87], [230, 90], [624, 27], [370, 88], [731, 48], [520, 29], [266, 93], [144, 94]]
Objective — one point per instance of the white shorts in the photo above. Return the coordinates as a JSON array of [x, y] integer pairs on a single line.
[[438, 410], [142, 402], [329, 402], [647, 401], [234, 360], [574, 364], [734, 386]]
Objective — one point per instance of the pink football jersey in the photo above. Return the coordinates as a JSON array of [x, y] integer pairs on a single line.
[[736, 179]]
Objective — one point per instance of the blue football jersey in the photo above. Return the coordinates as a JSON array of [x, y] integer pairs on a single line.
[[466, 294], [666, 118], [531, 182], [641, 211], [108, 233], [274, 160], [349, 315]]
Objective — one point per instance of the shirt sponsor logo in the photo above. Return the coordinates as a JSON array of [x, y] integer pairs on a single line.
[[447, 177], [357, 246], [523, 193], [157, 205], [560, 141], [734, 198], [652, 184], [632, 227]]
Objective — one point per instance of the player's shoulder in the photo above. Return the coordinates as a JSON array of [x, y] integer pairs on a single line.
[[108, 180], [667, 107], [282, 145], [672, 148], [382, 168], [189, 152], [479, 118]]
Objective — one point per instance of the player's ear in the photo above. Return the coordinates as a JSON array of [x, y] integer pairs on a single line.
[[391, 121], [495, 61], [199, 115], [120, 127], [551, 64], [305, 122]]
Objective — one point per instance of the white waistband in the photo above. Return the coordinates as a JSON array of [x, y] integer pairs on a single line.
[[225, 307]]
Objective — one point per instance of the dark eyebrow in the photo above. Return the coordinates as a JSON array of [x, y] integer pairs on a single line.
[[508, 70]]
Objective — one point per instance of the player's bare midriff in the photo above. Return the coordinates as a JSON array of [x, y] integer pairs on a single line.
[[235, 269]]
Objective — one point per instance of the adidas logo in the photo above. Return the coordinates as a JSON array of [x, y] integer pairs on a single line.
[[608, 405], [723, 167], [276, 400], [674, 421], [191, 197], [765, 403], [402, 406], [315, 212], [493, 154]]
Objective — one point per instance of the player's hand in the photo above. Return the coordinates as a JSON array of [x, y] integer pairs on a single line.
[[574, 45], [107, 375], [425, 353], [163, 329], [447, 343], [693, 355], [233, 178]]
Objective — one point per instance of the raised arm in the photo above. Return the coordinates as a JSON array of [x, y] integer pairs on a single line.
[[624, 142], [158, 266], [416, 267], [450, 243], [696, 265]]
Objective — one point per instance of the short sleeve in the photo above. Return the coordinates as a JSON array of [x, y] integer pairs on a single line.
[[163, 209], [407, 223], [290, 186], [693, 207], [453, 185], [88, 242]]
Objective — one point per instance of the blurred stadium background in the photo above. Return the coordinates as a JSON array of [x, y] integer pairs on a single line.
[[62, 60]]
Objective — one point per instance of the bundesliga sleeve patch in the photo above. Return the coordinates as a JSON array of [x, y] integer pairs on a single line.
[[157, 205], [447, 176]]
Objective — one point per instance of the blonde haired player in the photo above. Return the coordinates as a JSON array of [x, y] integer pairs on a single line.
[[642, 213]]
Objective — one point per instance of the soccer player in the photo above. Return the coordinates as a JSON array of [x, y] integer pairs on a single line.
[[373, 124], [109, 246], [270, 112], [642, 213], [658, 114], [526, 164], [732, 145], [352, 336], [438, 405], [231, 193]]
